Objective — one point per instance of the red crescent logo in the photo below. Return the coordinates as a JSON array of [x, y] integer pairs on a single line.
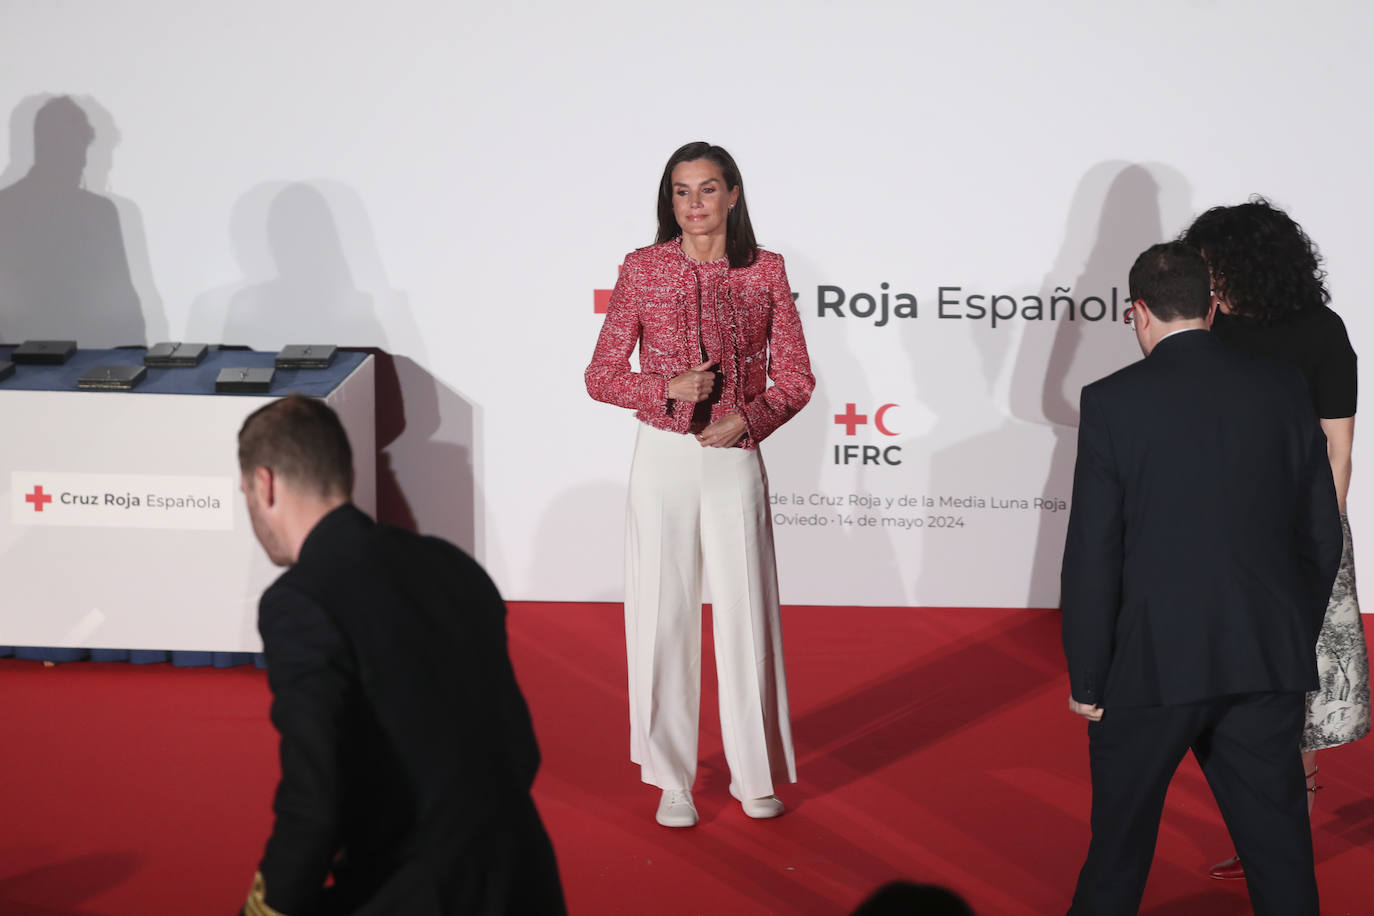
[[878, 420]]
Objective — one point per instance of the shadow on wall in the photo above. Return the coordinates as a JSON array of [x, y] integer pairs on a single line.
[[426, 434], [302, 248], [73, 262], [313, 273], [1118, 211], [984, 464]]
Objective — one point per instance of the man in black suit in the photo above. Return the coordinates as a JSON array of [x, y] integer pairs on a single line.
[[407, 751], [1202, 545]]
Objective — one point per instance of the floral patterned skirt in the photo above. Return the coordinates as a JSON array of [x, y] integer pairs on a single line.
[[1338, 710]]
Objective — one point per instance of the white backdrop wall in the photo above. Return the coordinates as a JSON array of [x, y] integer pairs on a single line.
[[452, 182]]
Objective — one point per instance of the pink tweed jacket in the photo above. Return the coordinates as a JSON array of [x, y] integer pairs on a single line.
[[654, 305]]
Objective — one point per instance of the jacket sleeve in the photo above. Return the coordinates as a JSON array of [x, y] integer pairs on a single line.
[[1319, 536], [789, 365], [1090, 580], [609, 378], [311, 673]]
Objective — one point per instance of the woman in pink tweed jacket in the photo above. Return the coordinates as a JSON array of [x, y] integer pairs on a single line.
[[654, 306], [713, 317]]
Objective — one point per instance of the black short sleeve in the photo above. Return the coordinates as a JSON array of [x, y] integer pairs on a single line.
[[1314, 341], [1334, 379]]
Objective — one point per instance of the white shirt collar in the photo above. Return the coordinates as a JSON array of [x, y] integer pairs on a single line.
[[1179, 331]]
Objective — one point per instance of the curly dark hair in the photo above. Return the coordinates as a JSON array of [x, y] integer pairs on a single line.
[[1261, 260]]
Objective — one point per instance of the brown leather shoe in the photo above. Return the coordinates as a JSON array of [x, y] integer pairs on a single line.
[[1230, 870]]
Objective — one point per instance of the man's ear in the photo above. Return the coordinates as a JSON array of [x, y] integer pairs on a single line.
[[1141, 316], [1212, 312], [265, 482]]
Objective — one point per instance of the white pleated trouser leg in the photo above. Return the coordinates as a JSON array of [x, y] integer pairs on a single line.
[[689, 506]]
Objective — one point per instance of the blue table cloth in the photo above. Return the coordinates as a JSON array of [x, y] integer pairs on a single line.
[[193, 380], [196, 380]]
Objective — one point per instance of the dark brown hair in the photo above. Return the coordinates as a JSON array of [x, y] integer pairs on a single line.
[[740, 246], [1172, 279], [299, 439]]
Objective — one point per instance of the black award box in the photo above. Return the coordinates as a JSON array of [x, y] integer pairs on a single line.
[[245, 381], [112, 378], [6, 370], [175, 355], [44, 352], [306, 356]]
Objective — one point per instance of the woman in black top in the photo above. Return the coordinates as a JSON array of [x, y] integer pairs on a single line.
[[1271, 301]]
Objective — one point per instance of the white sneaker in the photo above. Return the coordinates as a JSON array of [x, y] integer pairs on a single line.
[[675, 809], [768, 806]]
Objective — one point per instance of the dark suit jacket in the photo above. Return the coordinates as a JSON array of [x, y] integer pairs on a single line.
[[1203, 537], [407, 751]]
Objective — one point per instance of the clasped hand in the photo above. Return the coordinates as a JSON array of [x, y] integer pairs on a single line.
[[1090, 711], [694, 386], [723, 433]]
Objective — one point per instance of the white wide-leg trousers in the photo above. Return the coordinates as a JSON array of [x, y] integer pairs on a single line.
[[690, 505]]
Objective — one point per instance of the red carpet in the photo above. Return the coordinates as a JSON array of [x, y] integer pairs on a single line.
[[932, 745]]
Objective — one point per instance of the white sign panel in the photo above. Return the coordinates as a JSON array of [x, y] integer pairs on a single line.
[[958, 189], [179, 501], [154, 549]]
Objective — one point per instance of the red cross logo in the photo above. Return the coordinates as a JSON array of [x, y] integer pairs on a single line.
[[602, 300], [38, 498], [851, 420]]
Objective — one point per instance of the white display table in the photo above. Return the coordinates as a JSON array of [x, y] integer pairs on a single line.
[[123, 525]]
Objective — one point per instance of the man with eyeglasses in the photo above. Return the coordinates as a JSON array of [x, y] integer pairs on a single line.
[[1202, 544]]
